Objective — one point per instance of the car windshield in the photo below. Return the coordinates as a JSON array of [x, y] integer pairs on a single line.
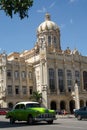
[[32, 105]]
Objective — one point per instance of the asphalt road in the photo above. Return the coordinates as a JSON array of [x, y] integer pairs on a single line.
[[59, 124]]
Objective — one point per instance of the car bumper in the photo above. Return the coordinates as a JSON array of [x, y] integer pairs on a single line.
[[44, 119]]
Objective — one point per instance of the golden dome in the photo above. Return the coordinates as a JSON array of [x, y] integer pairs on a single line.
[[47, 25]]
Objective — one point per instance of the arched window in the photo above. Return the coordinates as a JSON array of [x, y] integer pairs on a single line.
[[53, 105], [81, 103], [62, 105], [49, 40], [54, 41], [10, 105]]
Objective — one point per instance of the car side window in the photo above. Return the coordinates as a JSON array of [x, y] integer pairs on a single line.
[[22, 106], [17, 106]]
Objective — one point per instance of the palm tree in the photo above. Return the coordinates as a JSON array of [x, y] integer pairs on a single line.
[[36, 96]]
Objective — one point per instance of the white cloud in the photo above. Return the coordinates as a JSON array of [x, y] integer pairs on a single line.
[[43, 10], [71, 21], [72, 1], [53, 4]]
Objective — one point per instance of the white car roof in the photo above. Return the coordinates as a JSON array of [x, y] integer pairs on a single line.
[[27, 102]]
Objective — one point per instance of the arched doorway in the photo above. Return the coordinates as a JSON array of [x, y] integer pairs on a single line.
[[86, 103], [62, 105], [72, 106], [53, 105], [10, 105], [81, 103]]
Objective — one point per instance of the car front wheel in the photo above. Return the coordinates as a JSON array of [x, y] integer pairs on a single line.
[[30, 120], [12, 121], [79, 117]]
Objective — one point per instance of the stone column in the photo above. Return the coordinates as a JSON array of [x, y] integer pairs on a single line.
[[44, 96]]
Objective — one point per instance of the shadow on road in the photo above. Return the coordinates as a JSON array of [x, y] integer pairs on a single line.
[[4, 124]]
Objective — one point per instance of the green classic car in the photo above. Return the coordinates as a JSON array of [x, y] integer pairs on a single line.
[[30, 112]]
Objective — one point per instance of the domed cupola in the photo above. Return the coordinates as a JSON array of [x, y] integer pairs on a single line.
[[50, 32]]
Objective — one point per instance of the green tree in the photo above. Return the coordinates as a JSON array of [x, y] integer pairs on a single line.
[[36, 96], [20, 7]]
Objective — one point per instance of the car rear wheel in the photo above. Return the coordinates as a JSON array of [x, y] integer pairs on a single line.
[[30, 120], [79, 117], [12, 121]]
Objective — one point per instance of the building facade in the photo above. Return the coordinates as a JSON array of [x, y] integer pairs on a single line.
[[60, 75]]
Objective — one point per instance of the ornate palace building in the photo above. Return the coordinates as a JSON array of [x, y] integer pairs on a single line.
[[60, 75]]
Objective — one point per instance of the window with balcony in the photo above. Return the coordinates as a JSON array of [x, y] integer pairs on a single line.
[[85, 80], [69, 80], [61, 80], [52, 79]]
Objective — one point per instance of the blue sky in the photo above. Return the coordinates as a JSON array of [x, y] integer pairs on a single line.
[[70, 15]]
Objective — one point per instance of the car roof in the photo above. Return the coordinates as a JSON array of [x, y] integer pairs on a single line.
[[26, 102]]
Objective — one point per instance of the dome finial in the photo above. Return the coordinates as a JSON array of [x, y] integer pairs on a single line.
[[47, 17]]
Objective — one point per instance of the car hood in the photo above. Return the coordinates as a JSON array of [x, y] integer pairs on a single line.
[[42, 110]]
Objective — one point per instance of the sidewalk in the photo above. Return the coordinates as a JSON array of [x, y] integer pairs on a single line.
[[65, 116]]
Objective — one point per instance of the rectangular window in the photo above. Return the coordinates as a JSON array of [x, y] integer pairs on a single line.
[[24, 89], [31, 90], [30, 75], [9, 73], [16, 89], [23, 74], [16, 74], [9, 89], [52, 79]]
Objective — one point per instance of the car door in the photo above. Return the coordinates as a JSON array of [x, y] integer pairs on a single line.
[[16, 112], [83, 112], [86, 113], [22, 112]]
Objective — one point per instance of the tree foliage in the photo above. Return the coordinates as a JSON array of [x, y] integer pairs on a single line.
[[20, 7], [36, 96]]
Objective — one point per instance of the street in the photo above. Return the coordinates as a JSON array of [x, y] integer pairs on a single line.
[[59, 124]]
